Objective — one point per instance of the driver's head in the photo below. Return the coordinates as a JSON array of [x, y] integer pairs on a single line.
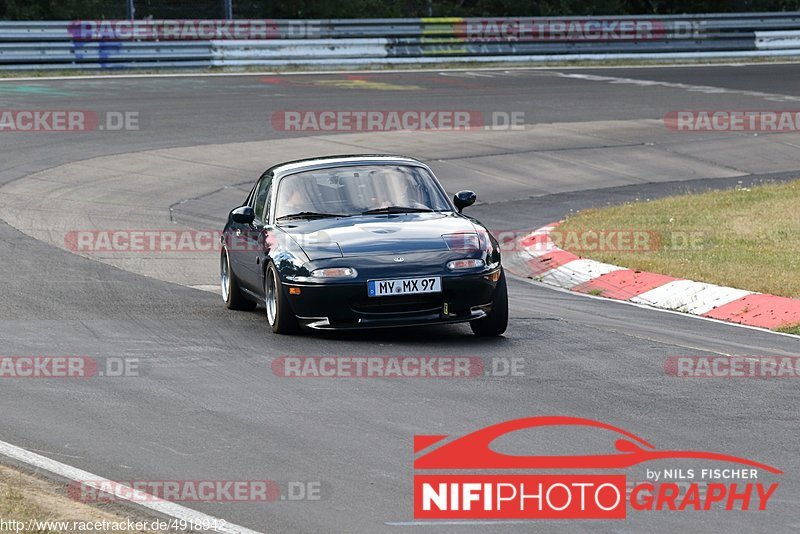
[[299, 199]]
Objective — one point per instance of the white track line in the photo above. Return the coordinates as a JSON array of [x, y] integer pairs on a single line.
[[141, 498], [213, 288], [707, 89], [648, 307], [114, 75], [464, 522]]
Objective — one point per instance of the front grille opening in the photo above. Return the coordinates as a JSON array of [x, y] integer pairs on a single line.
[[397, 304]]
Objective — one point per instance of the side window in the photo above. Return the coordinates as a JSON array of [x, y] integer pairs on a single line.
[[262, 196]]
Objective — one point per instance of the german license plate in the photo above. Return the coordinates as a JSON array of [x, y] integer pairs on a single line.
[[404, 286]]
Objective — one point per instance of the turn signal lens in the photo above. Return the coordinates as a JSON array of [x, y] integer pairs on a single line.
[[494, 277], [456, 265], [294, 290], [336, 272]]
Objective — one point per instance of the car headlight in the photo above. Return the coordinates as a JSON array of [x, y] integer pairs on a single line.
[[463, 241], [334, 272], [457, 265]]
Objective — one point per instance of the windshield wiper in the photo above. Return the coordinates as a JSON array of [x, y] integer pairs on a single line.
[[395, 209], [310, 215]]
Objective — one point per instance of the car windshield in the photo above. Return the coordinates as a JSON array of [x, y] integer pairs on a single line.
[[357, 190]]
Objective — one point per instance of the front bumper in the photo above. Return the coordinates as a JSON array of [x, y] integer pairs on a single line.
[[345, 306]]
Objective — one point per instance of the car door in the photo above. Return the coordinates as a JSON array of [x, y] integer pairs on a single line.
[[256, 238], [236, 240]]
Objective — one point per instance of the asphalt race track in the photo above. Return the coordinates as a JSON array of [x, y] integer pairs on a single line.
[[208, 405]]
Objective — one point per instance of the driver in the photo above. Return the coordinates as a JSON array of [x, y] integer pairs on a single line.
[[386, 184], [299, 200]]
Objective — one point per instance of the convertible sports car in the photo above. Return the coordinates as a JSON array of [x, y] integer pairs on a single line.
[[353, 242]]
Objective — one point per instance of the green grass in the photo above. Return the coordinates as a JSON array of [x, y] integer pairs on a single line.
[[747, 238], [790, 329]]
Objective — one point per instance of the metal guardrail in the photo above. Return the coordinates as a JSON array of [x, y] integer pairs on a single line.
[[202, 43]]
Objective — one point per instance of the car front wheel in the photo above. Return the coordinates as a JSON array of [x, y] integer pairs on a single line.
[[496, 322], [279, 313]]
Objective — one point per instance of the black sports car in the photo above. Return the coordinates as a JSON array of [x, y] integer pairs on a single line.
[[352, 242]]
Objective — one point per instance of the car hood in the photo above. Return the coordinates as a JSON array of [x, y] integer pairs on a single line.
[[376, 234]]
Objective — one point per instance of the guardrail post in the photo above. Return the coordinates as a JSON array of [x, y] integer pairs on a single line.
[[228, 9], [131, 9]]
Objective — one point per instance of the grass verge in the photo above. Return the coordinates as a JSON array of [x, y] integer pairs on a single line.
[[28, 500], [790, 329], [748, 238]]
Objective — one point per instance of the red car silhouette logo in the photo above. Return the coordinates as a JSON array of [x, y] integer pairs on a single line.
[[567, 495], [474, 451]]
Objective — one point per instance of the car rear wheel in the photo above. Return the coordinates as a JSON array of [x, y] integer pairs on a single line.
[[496, 322], [279, 313], [231, 293]]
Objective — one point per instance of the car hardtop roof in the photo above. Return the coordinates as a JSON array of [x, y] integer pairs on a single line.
[[290, 167]]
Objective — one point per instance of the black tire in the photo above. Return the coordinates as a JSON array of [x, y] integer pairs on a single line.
[[496, 322], [278, 310], [231, 292]]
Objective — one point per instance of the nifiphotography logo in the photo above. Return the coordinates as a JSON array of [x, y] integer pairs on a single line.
[[507, 490]]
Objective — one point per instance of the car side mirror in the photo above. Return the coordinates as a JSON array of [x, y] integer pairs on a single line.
[[464, 199], [243, 215]]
